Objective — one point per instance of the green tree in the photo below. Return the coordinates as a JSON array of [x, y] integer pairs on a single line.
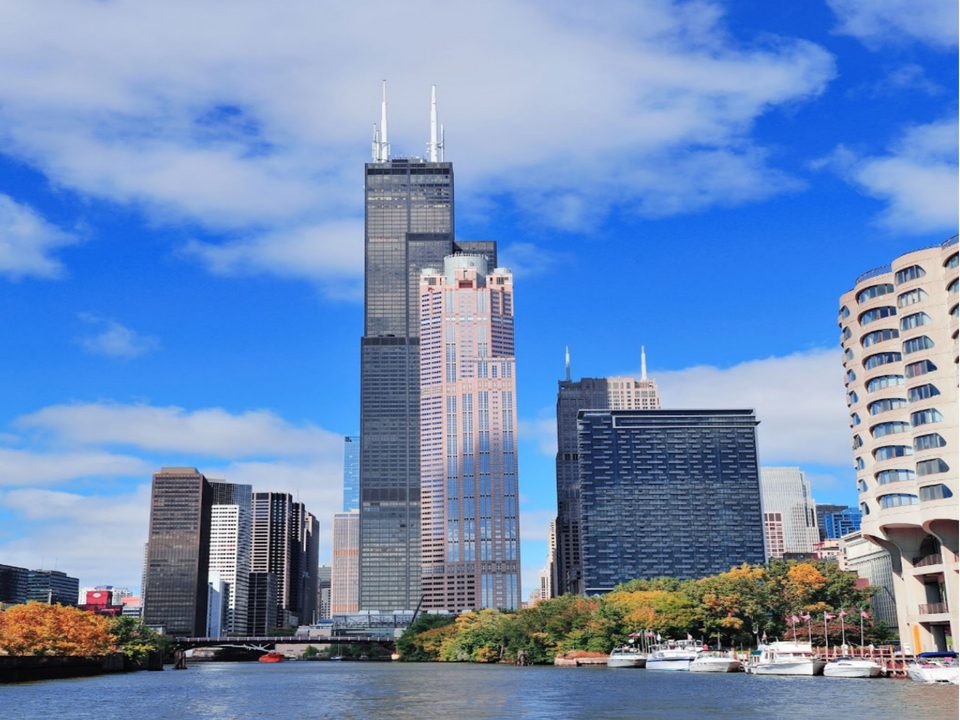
[[421, 641], [135, 640]]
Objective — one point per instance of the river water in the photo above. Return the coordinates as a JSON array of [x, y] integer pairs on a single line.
[[351, 690]]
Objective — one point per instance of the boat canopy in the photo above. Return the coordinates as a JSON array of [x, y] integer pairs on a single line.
[[938, 654]]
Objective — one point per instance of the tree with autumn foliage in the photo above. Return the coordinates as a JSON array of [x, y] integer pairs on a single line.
[[60, 630], [742, 605]]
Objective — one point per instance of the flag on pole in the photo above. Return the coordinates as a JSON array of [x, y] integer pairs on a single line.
[[843, 613], [864, 614], [806, 617], [828, 616], [794, 619]]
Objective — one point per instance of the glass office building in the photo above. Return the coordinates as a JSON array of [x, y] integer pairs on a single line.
[[667, 493], [615, 393], [841, 522], [409, 226], [178, 552], [351, 473]]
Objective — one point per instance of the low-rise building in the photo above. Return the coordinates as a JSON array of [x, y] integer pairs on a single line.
[[872, 563]]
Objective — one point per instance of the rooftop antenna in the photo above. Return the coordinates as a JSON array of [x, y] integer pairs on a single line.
[[435, 146], [566, 361], [643, 364], [380, 149]]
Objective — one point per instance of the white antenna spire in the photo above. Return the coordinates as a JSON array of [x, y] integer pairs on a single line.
[[433, 145], [566, 361], [643, 364], [383, 146]]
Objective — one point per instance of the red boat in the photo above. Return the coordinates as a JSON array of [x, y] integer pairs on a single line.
[[271, 657]]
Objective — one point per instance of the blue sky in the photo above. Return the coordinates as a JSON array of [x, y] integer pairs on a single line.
[[181, 225]]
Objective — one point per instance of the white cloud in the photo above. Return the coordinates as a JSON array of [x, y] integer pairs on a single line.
[[27, 242], [877, 22], [917, 178], [324, 252], [38, 467], [542, 431], [115, 340], [98, 535], [208, 432], [526, 259], [96, 538], [535, 523], [798, 398], [259, 135]]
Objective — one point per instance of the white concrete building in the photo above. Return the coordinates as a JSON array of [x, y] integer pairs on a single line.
[[230, 538], [898, 331]]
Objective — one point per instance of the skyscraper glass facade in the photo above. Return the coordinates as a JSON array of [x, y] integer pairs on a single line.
[[667, 493], [178, 552], [614, 393], [790, 515], [351, 473], [841, 522], [409, 226], [469, 518], [230, 538]]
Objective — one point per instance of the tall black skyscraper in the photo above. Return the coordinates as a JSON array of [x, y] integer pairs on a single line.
[[178, 552], [409, 227]]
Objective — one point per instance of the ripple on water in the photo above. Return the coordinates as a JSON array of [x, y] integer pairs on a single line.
[[361, 691]]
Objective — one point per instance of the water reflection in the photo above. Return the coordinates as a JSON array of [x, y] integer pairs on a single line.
[[467, 692]]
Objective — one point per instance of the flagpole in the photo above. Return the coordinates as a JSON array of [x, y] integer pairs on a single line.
[[861, 632], [843, 632], [826, 638]]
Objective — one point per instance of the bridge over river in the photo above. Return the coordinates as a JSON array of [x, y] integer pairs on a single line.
[[271, 641]]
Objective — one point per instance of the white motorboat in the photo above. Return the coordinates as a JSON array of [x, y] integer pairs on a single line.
[[716, 662], [673, 655], [786, 658], [626, 656], [935, 667], [852, 667]]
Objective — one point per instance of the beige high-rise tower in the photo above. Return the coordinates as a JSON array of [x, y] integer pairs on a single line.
[[898, 330], [470, 540], [344, 576]]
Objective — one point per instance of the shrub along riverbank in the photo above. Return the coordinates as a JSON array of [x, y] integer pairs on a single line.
[[741, 605], [39, 641]]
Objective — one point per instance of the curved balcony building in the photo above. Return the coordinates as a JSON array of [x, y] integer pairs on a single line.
[[898, 331]]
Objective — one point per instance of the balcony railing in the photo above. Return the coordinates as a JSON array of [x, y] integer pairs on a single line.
[[934, 608], [932, 559]]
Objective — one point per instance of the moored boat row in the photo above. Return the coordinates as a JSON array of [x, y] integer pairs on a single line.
[[778, 658]]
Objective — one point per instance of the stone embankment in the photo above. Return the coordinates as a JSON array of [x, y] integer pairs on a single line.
[[24, 669]]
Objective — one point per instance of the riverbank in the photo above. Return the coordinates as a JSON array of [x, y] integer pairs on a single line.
[[16, 669]]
